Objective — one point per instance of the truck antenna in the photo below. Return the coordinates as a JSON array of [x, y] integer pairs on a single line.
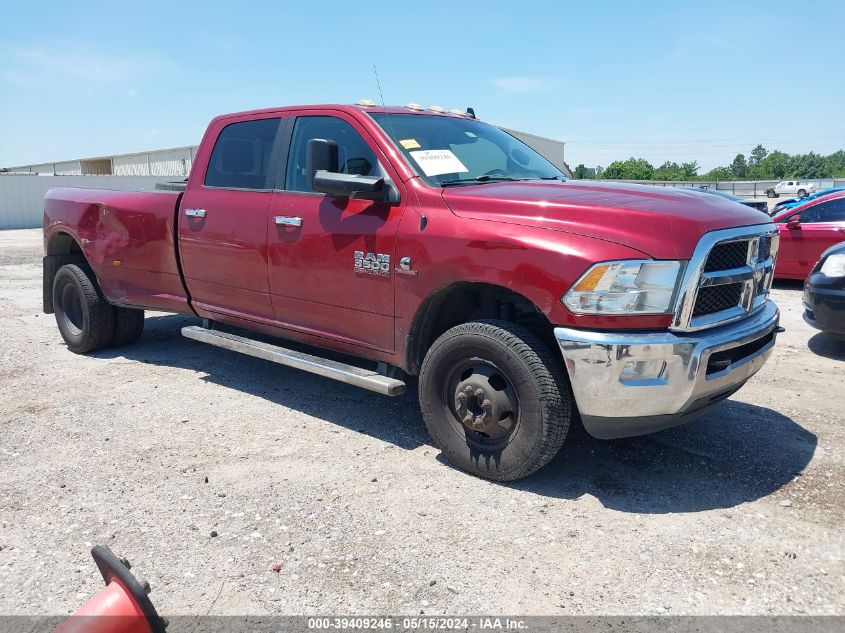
[[420, 212]]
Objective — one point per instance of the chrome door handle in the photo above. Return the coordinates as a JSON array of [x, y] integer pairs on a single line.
[[195, 213], [281, 220]]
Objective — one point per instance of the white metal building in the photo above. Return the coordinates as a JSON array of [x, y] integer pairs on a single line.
[[550, 149], [175, 161], [22, 195]]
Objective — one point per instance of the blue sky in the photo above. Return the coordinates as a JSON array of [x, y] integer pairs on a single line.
[[679, 81]]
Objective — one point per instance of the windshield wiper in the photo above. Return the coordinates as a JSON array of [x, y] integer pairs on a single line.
[[484, 178]]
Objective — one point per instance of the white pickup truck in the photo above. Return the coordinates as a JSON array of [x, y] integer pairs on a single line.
[[791, 187]]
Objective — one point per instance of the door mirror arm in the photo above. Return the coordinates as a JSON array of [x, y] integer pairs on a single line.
[[349, 185]]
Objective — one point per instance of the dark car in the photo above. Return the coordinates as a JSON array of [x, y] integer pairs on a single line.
[[824, 293], [760, 205]]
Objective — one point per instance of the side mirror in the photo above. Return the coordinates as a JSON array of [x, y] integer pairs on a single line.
[[794, 222], [321, 155], [321, 163]]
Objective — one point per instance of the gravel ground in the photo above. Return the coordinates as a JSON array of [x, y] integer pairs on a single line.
[[207, 469]]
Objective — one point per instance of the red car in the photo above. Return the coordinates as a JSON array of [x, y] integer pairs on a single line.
[[806, 232]]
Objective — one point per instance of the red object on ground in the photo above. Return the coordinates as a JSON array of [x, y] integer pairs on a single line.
[[277, 568], [122, 607], [111, 611]]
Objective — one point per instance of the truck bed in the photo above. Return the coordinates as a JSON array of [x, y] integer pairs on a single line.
[[128, 238]]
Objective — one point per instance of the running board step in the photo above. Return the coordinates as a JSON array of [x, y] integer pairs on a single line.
[[349, 374]]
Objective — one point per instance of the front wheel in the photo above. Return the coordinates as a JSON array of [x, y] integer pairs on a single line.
[[802, 193], [495, 399]]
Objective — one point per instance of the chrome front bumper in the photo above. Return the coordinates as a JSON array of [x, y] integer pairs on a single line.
[[632, 383]]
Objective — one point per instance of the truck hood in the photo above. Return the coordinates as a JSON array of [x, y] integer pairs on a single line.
[[662, 222]]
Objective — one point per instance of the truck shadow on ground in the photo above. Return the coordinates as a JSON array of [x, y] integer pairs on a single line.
[[738, 453], [395, 420]]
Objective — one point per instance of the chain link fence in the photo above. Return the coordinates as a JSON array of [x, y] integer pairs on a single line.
[[742, 188]]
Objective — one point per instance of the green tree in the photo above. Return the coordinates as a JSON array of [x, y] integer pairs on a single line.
[[739, 168], [761, 165], [835, 164], [774, 166], [631, 169], [720, 173], [667, 171], [581, 172], [689, 171], [809, 165], [757, 155]]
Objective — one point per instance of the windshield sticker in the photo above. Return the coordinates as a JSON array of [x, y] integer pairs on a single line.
[[410, 143], [435, 162]]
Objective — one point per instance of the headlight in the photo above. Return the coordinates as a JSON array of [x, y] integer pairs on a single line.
[[625, 287], [834, 266]]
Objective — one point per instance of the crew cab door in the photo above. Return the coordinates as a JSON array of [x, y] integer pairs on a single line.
[[820, 226], [223, 218], [315, 241]]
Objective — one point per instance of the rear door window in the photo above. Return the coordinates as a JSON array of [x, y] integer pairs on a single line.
[[241, 156]]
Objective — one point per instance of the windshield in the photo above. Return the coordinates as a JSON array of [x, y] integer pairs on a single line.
[[447, 150]]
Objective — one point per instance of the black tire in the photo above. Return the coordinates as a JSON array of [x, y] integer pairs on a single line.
[[771, 194], [128, 326], [84, 317], [802, 193], [520, 373]]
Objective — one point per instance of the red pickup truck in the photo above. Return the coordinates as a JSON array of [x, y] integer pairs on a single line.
[[411, 242]]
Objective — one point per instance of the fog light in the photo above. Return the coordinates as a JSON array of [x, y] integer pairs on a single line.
[[644, 372]]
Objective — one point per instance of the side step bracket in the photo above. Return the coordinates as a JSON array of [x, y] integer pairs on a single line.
[[349, 374]]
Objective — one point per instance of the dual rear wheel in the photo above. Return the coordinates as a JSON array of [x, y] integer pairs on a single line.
[[87, 322]]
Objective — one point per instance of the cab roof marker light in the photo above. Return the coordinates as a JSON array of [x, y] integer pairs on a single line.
[[437, 108], [414, 106], [457, 111], [365, 103]]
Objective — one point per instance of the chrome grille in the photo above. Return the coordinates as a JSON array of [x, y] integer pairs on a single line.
[[726, 256], [714, 299], [728, 277], [765, 249]]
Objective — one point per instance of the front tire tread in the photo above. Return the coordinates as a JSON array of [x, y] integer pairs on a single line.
[[548, 374]]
